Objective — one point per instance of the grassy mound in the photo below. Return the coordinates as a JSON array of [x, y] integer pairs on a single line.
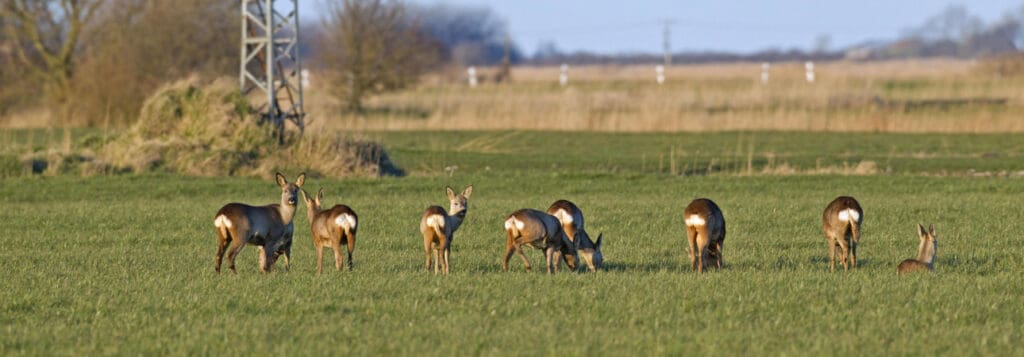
[[207, 129]]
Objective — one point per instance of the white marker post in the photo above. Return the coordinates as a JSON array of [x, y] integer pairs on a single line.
[[471, 72], [810, 71], [563, 78], [660, 71], [304, 77], [765, 67]]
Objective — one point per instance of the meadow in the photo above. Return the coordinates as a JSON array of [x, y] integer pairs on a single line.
[[123, 264]]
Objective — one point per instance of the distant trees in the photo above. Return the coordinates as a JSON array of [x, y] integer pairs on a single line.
[[372, 46], [43, 37]]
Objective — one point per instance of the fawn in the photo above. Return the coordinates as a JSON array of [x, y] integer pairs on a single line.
[[536, 229], [438, 227], [571, 219], [841, 222], [926, 257], [268, 227], [705, 230], [331, 227]]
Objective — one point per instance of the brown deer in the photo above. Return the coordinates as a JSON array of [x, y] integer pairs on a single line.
[[267, 227], [926, 257], [841, 222], [571, 219], [438, 227], [539, 230], [331, 227], [705, 229]]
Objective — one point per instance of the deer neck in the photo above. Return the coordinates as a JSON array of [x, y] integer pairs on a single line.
[[287, 212], [455, 218], [927, 255], [311, 212]]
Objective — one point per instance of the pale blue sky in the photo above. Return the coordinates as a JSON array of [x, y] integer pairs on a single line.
[[607, 26]]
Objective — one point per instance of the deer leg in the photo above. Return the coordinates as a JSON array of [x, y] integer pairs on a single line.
[[350, 237], [853, 253], [447, 252], [426, 251], [266, 258], [319, 259], [691, 235], [844, 254], [831, 254], [547, 258], [236, 247], [336, 246], [437, 262], [526, 262], [222, 245]]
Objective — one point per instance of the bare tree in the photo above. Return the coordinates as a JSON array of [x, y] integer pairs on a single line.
[[372, 46], [46, 34]]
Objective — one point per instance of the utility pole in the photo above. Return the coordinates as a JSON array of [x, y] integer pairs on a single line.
[[270, 61], [666, 36]]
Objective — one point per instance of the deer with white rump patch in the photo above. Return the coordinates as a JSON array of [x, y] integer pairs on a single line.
[[331, 228], [571, 219], [926, 253], [268, 227], [539, 230], [438, 227], [841, 222], [705, 230]]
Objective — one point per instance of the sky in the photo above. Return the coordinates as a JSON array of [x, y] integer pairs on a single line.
[[610, 27]]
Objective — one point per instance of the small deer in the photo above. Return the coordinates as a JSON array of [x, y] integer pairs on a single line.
[[538, 230], [705, 229], [841, 222], [926, 257], [268, 227], [438, 227], [331, 227], [571, 219]]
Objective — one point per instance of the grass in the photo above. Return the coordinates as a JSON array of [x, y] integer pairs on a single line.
[[123, 264]]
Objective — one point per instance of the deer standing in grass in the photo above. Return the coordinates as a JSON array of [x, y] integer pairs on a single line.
[[705, 230], [438, 227], [571, 219], [268, 227], [926, 253], [841, 222], [331, 227], [539, 230]]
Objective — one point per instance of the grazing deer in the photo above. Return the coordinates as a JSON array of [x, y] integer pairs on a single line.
[[331, 227], [705, 228], [571, 219], [438, 227], [268, 227], [841, 222], [926, 257], [539, 230]]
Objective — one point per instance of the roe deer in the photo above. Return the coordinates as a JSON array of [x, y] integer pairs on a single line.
[[331, 227], [571, 219], [438, 227], [268, 227], [705, 228], [841, 222], [539, 230], [926, 257]]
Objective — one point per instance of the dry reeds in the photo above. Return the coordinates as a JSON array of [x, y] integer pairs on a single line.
[[898, 96]]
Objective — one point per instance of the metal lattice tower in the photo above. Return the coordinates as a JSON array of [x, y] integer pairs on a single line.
[[270, 60]]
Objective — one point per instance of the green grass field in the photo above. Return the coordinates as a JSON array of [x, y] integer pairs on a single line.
[[124, 264]]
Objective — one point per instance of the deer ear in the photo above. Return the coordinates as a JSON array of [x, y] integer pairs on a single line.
[[281, 181], [320, 195], [931, 229], [468, 191], [305, 196], [450, 191], [920, 230], [597, 245], [301, 180]]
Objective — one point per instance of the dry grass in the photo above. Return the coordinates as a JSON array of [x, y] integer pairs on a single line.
[[899, 96]]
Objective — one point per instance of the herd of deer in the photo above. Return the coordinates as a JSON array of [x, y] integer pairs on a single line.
[[559, 232]]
